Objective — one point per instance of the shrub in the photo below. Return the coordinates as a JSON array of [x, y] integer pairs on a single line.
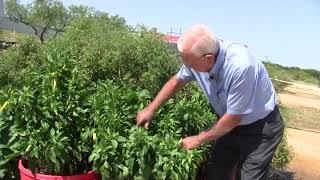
[[18, 61], [108, 52], [124, 151], [49, 119]]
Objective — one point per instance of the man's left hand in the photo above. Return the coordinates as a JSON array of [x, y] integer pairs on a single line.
[[191, 142]]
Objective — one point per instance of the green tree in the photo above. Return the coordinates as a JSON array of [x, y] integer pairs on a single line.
[[76, 12], [41, 15], [80, 11]]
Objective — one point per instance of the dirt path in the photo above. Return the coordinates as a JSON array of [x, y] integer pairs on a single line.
[[306, 145], [301, 96]]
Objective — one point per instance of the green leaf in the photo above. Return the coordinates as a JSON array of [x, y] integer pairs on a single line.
[[2, 171], [106, 165], [175, 175], [75, 114], [122, 139], [125, 171], [92, 157], [77, 155], [114, 143], [45, 125], [28, 149], [52, 132], [144, 94], [52, 156], [186, 116], [131, 116]]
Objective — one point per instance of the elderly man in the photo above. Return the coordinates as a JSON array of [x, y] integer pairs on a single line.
[[238, 87]]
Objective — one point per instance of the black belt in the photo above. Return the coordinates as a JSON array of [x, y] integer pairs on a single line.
[[270, 117]]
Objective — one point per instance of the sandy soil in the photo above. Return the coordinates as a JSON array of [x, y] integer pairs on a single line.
[[301, 96], [306, 145], [306, 161]]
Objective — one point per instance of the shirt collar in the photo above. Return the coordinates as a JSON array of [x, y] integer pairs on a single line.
[[214, 71]]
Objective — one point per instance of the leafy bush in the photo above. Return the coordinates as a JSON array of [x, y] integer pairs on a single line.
[[283, 155], [58, 100], [18, 61], [49, 119], [124, 151], [45, 105], [109, 52]]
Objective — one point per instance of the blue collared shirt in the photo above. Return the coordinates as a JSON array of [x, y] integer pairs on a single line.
[[238, 83]]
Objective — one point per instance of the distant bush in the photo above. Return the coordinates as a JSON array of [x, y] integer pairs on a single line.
[[18, 61], [106, 51], [293, 73]]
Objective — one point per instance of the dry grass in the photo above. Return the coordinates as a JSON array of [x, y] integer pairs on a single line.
[[302, 118], [9, 36]]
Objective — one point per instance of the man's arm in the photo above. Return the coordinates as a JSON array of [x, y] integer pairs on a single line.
[[222, 127], [168, 90]]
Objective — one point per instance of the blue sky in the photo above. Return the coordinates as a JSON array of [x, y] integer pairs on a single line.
[[286, 32]]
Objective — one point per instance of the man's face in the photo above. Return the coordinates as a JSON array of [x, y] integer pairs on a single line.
[[201, 64]]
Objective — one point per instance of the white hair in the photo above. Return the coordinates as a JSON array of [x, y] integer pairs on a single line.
[[199, 40]]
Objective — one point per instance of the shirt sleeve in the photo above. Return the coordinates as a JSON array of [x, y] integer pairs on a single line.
[[185, 74], [241, 92]]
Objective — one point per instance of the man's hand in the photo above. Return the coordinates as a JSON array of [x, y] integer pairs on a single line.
[[144, 117], [191, 142], [170, 88], [219, 129]]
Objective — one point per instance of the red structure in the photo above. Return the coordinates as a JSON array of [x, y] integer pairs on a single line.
[[172, 37]]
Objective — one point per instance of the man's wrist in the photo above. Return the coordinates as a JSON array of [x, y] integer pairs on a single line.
[[203, 137], [152, 108]]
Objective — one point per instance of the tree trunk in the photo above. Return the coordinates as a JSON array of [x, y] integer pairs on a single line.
[[43, 33]]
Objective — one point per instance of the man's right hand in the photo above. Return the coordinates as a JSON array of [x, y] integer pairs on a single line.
[[144, 117]]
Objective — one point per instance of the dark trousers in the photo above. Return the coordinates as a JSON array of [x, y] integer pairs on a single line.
[[247, 149]]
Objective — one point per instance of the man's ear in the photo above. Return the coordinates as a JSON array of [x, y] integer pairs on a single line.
[[209, 58]]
